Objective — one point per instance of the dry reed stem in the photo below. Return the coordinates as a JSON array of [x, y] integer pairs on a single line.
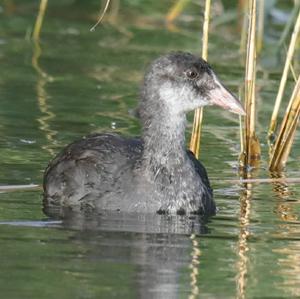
[[39, 20], [289, 57], [101, 15], [260, 25], [260, 181], [287, 131], [7, 188], [195, 137], [243, 10], [206, 29], [251, 144], [289, 24], [293, 72], [241, 127], [176, 10], [198, 116]]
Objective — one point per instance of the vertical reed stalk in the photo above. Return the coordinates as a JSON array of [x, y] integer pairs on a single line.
[[36, 38], [289, 23], [39, 20], [243, 10], [101, 16], [175, 10], [251, 144], [289, 57], [260, 25], [287, 132], [198, 116], [42, 79], [241, 124]]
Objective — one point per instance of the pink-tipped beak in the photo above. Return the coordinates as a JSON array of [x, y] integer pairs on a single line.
[[220, 96]]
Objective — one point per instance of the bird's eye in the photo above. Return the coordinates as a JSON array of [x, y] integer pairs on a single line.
[[191, 74]]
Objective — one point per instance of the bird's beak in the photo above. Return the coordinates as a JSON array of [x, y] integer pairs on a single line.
[[222, 97]]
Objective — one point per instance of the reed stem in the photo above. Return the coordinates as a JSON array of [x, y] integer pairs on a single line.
[[101, 15], [290, 53], [251, 144], [198, 116], [284, 141], [39, 20], [243, 23], [260, 26], [289, 23], [175, 10]]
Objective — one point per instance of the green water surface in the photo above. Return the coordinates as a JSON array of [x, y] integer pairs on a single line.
[[74, 82]]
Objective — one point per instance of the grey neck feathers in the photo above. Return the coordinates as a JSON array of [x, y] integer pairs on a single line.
[[163, 134]]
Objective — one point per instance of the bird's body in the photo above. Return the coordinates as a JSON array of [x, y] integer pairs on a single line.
[[154, 173], [127, 184]]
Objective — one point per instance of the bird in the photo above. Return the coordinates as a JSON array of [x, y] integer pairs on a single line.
[[154, 173]]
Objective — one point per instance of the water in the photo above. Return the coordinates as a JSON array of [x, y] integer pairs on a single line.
[[80, 82]]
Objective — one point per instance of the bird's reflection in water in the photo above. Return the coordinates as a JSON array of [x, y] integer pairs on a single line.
[[160, 247]]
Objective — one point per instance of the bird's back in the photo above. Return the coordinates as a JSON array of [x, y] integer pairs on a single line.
[[89, 167]]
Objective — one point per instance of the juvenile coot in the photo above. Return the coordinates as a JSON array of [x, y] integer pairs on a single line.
[[152, 174]]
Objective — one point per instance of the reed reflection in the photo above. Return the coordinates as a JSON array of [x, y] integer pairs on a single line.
[[284, 207], [42, 80], [242, 245], [289, 260]]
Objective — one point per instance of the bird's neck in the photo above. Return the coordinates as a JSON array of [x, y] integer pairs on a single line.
[[164, 142]]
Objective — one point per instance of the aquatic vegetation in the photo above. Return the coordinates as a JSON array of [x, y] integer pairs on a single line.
[[279, 151], [198, 116], [250, 249], [101, 15], [250, 153], [283, 144]]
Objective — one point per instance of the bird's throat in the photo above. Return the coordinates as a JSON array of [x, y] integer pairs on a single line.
[[164, 142]]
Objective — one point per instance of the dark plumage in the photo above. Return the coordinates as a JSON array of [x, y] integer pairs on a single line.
[[151, 174]]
